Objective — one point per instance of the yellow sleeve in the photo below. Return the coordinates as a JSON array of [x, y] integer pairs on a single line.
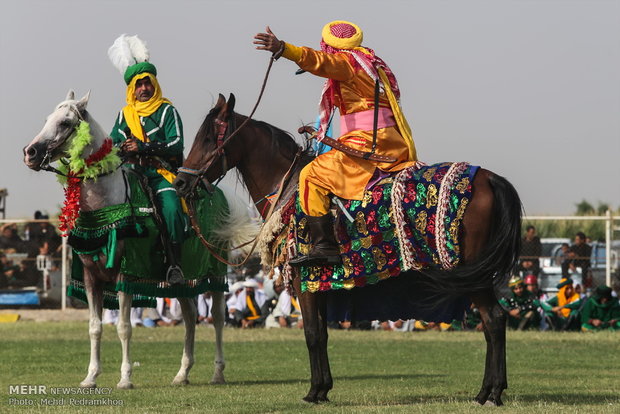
[[326, 65]]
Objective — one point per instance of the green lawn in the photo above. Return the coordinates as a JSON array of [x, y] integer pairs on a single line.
[[267, 370]]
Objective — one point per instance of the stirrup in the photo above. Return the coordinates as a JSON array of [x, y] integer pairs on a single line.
[[174, 275]]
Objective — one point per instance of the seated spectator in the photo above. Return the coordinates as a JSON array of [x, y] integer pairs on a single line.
[[39, 233], [531, 284], [473, 320], [110, 317], [562, 311], [601, 311], [531, 249], [252, 306], [522, 306], [231, 303], [286, 313], [16, 275], [579, 257], [399, 325], [167, 313], [205, 304], [9, 239]]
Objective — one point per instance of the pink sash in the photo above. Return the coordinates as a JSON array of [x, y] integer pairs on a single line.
[[363, 121]]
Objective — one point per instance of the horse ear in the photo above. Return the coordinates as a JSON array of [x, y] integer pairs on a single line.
[[70, 95], [221, 101], [230, 105], [81, 104]]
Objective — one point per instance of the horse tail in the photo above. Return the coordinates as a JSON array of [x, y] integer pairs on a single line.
[[496, 261], [238, 227]]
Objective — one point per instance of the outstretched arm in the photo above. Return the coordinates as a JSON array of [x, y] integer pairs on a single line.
[[326, 65]]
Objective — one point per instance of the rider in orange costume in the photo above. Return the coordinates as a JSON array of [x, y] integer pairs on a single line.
[[351, 71]]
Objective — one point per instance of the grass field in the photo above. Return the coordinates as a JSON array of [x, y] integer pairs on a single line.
[[267, 371]]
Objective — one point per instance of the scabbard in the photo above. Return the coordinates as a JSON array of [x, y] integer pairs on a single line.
[[356, 153]]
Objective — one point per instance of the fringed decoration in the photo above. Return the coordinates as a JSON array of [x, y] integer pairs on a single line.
[[407, 255], [443, 201]]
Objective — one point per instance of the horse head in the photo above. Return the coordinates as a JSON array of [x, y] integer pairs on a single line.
[[209, 158], [51, 143]]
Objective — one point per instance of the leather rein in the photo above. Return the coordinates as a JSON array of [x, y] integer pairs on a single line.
[[221, 141]]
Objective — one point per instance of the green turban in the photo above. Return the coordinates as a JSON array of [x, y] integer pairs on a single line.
[[564, 282], [138, 68]]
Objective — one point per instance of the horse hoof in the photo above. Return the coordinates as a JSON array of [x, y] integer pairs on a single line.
[[124, 385], [88, 384], [489, 403], [179, 381], [310, 400], [218, 380]]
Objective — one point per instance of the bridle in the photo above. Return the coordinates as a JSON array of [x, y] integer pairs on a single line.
[[45, 162], [222, 126], [222, 140]]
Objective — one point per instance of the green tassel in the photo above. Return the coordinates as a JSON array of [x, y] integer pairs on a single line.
[[111, 248]]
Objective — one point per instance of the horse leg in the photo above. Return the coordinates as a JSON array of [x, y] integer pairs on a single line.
[[494, 321], [218, 310], [123, 328], [188, 307], [312, 331], [328, 382], [94, 294]]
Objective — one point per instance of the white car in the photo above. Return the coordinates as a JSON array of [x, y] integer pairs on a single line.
[[551, 269]]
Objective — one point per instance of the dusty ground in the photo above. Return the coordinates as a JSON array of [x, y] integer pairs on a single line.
[[44, 315]]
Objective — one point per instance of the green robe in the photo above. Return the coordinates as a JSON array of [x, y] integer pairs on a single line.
[[163, 126], [165, 132], [562, 323], [526, 303], [604, 312]]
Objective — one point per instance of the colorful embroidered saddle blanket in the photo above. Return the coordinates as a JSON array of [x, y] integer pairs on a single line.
[[409, 221], [142, 265]]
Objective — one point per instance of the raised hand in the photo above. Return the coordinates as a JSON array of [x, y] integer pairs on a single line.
[[268, 41]]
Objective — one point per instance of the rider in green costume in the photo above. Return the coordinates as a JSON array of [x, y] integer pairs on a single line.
[[150, 130]]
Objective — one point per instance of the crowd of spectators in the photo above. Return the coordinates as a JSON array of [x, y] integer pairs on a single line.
[[19, 251], [253, 301], [568, 310]]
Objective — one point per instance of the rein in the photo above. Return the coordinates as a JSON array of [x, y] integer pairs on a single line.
[[222, 140], [222, 128], [211, 248]]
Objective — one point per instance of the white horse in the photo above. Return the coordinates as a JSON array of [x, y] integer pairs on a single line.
[[50, 145]]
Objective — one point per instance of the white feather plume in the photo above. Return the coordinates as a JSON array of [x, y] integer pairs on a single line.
[[120, 54], [138, 49], [127, 51]]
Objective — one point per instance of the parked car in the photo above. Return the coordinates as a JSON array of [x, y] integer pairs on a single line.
[[551, 270]]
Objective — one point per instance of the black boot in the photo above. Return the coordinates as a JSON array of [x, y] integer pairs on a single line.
[[174, 275], [324, 250]]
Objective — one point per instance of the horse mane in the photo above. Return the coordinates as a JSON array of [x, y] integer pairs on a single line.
[[282, 139]]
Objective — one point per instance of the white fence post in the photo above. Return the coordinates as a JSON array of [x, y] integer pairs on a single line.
[[64, 268], [608, 233]]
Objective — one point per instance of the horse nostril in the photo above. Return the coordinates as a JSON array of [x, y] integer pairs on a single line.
[[31, 151]]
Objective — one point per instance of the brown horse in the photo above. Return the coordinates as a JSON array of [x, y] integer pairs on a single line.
[[490, 234]]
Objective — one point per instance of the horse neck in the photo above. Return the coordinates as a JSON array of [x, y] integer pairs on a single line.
[[262, 169], [104, 191]]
